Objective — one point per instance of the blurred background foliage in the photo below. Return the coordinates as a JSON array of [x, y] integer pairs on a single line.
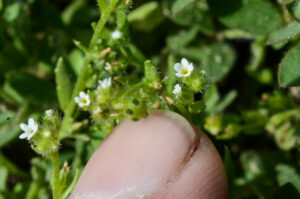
[[249, 48]]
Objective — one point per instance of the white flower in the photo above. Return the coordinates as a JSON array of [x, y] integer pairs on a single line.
[[105, 83], [49, 112], [116, 34], [83, 99], [29, 129], [184, 68], [177, 89]]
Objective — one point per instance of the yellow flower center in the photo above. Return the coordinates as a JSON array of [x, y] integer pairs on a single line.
[[184, 71], [84, 101]]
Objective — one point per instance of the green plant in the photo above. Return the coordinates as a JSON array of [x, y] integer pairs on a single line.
[[211, 62]]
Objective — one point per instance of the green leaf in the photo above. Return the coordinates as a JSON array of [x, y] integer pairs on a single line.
[[285, 33], [228, 99], [258, 49], [146, 17], [289, 69], [36, 90], [64, 85], [180, 4], [294, 9], [286, 173], [190, 13], [217, 59], [68, 13], [211, 98], [171, 75], [3, 178], [8, 132], [286, 191], [182, 38], [258, 17], [151, 74], [75, 59], [12, 12], [72, 185]]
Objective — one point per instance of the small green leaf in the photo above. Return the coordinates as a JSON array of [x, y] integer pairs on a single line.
[[63, 84], [294, 9], [3, 178], [258, 17], [72, 185], [12, 12], [75, 59], [286, 191], [121, 20], [171, 75], [146, 17], [180, 4], [211, 98], [182, 38], [289, 69], [69, 12], [189, 13], [151, 72], [228, 99], [285, 33], [286, 174]]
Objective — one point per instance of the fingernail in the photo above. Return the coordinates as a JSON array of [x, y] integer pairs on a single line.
[[138, 158]]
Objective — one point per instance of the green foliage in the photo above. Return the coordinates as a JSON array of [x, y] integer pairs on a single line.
[[50, 51], [289, 71], [257, 17], [285, 33]]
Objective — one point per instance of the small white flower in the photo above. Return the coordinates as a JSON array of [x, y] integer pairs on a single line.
[[116, 34], [29, 129], [177, 89], [184, 68], [49, 112], [83, 99], [105, 83]]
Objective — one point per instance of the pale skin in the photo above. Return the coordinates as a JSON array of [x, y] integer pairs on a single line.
[[159, 157]]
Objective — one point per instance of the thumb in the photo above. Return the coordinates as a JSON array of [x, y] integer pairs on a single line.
[[159, 157]]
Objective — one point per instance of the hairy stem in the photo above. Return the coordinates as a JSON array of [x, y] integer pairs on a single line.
[[82, 78], [55, 184]]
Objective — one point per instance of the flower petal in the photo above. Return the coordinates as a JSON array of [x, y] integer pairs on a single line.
[[23, 135], [35, 128], [31, 122], [178, 67], [77, 100], [190, 67], [179, 74], [82, 94], [184, 62], [24, 127]]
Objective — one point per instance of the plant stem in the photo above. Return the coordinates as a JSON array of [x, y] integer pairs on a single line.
[[81, 80], [55, 176]]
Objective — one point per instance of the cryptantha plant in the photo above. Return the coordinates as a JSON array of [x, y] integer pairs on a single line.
[[115, 82]]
